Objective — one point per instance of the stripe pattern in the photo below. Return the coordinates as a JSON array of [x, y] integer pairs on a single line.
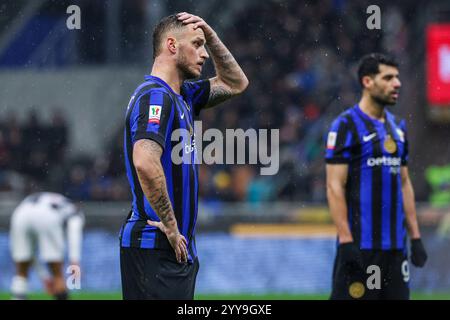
[[373, 191], [176, 112]]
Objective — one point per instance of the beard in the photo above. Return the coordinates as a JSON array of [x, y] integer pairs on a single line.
[[383, 100], [183, 67]]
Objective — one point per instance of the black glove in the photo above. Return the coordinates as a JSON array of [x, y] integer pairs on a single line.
[[350, 256], [418, 253]]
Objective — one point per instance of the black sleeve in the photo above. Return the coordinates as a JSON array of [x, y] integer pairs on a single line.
[[338, 143], [152, 117]]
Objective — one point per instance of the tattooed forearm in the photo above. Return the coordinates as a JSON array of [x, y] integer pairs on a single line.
[[227, 68], [218, 94], [156, 192], [230, 79], [146, 157]]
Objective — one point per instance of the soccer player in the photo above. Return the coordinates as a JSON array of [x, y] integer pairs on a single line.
[[41, 220], [370, 195], [158, 256]]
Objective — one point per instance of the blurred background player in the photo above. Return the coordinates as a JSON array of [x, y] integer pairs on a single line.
[[40, 221], [370, 194]]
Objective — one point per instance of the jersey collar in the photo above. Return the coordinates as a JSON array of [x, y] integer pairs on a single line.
[[366, 116], [162, 82]]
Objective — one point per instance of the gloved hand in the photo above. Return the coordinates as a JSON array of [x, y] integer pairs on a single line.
[[350, 255], [418, 253]]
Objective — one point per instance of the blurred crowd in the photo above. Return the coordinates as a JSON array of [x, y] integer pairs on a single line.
[[301, 60], [29, 149], [34, 154]]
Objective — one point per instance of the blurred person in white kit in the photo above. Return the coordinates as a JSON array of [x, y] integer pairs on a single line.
[[41, 221]]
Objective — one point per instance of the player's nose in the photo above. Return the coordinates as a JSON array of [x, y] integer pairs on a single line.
[[204, 54]]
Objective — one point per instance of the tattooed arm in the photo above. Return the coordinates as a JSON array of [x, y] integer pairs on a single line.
[[230, 79], [147, 161]]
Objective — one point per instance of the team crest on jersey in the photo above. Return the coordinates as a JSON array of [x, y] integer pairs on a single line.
[[401, 134], [154, 114], [331, 141], [389, 144]]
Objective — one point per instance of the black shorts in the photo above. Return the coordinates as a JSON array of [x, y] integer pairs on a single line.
[[155, 274], [385, 277]]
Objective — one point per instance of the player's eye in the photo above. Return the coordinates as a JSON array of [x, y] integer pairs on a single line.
[[198, 44]]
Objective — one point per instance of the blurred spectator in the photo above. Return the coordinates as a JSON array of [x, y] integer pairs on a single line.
[[100, 184], [35, 147], [241, 177], [77, 187], [5, 155], [57, 136]]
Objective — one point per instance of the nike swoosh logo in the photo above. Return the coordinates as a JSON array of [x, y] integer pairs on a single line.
[[182, 116], [369, 137]]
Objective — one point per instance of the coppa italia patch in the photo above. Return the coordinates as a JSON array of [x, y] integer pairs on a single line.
[[331, 142], [154, 114]]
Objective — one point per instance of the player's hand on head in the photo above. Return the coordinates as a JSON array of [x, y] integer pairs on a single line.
[[418, 253], [198, 22], [176, 240]]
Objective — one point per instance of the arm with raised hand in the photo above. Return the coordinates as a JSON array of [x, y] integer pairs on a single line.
[[230, 79]]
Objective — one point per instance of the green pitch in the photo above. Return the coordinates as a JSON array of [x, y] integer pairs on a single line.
[[118, 296]]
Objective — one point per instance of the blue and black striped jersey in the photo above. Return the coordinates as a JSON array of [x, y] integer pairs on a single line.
[[154, 112], [374, 151]]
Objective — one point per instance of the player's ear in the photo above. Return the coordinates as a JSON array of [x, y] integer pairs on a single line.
[[172, 45], [367, 81]]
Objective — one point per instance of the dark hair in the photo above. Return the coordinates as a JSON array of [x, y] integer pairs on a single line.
[[369, 64], [168, 23]]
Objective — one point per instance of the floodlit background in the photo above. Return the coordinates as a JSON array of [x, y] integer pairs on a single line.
[[63, 95]]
